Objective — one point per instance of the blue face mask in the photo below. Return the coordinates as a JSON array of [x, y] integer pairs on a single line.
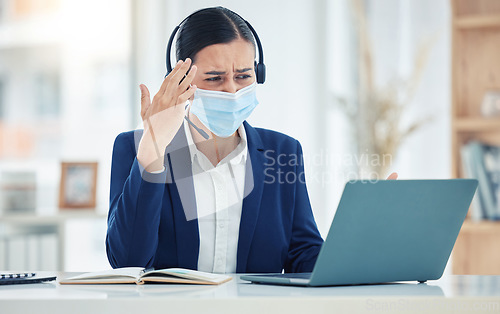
[[221, 112]]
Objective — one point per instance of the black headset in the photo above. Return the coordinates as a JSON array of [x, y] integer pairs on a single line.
[[260, 68]]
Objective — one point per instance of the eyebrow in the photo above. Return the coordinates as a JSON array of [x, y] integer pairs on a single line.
[[223, 72]]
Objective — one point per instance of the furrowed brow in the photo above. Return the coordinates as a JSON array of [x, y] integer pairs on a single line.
[[243, 70], [215, 73]]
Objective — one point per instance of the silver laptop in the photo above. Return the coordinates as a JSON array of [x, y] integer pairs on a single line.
[[385, 231]]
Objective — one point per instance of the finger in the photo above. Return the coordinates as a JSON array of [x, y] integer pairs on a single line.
[[169, 76], [393, 176], [178, 76], [169, 98], [188, 79], [186, 95], [145, 99]]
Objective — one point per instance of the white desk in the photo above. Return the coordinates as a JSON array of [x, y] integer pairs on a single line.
[[454, 294]]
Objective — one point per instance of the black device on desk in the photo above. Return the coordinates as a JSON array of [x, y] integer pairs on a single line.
[[23, 278]]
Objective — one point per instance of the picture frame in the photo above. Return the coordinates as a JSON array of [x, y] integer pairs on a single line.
[[78, 185]]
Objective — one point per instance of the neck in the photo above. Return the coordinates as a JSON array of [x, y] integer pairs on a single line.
[[215, 147]]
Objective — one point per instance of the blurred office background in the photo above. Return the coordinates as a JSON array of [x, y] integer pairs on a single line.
[[69, 77]]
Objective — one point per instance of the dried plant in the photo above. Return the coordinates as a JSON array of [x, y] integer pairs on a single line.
[[376, 114]]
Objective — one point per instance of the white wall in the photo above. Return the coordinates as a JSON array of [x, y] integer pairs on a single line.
[[398, 27], [308, 55], [95, 82], [291, 99]]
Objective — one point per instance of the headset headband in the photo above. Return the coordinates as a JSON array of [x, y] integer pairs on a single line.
[[260, 68]]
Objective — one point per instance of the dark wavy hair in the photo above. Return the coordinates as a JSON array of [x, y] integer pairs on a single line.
[[210, 26]]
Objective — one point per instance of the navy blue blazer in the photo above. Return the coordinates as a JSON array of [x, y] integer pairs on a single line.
[[152, 220]]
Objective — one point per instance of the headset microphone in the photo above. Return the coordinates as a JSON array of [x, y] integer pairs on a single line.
[[202, 133]]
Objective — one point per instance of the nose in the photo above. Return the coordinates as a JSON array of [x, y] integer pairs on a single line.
[[230, 86]]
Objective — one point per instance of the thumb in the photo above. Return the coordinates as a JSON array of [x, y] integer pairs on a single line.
[[145, 99]]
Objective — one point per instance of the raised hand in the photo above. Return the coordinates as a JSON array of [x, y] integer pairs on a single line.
[[163, 116]]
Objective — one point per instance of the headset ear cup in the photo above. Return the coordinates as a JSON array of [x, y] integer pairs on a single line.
[[260, 73]]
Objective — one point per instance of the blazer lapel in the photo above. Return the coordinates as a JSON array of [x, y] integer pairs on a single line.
[[253, 189], [183, 201]]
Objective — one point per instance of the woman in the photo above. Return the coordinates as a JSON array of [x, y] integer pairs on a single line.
[[225, 196]]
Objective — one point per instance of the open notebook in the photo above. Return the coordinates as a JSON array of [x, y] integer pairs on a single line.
[[141, 276]]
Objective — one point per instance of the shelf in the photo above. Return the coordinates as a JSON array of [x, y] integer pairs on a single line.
[[478, 21], [61, 216], [475, 69], [29, 227], [475, 249], [476, 124]]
